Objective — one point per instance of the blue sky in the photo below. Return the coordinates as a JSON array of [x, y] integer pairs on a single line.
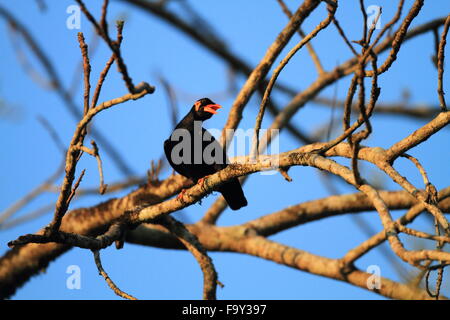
[[151, 48]]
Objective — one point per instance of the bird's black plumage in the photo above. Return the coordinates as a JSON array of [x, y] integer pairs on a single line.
[[194, 153]]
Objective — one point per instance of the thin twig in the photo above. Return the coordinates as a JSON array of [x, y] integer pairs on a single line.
[[64, 94], [194, 246], [342, 34], [312, 52], [108, 280], [113, 46], [322, 25], [74, 150], [440, 64]]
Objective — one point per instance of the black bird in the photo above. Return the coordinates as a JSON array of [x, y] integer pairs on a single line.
[[194, 153]]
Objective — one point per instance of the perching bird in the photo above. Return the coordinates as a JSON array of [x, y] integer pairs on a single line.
[[194, 153]]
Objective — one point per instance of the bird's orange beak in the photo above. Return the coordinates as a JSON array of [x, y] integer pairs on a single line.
[[212, 108]]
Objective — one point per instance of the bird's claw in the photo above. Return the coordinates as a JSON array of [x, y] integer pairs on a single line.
[[181, 195], [201, 181]]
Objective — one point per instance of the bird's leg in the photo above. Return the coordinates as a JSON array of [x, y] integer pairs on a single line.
[[201, 181], [181, 195]]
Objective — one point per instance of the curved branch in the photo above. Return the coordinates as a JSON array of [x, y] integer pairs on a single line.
[[108, 280], [192, 244]]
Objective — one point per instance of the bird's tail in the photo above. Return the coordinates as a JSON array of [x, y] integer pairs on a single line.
[[233, 194]]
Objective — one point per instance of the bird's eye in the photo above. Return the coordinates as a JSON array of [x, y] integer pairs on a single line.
[[197, 105]]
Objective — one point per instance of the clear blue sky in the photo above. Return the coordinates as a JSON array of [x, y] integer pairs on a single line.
[[152, 47]]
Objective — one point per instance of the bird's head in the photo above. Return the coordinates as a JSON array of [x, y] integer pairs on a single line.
[[204, 109]]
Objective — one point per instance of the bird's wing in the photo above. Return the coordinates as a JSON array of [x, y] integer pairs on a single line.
[[218, 153], [180, 168]]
